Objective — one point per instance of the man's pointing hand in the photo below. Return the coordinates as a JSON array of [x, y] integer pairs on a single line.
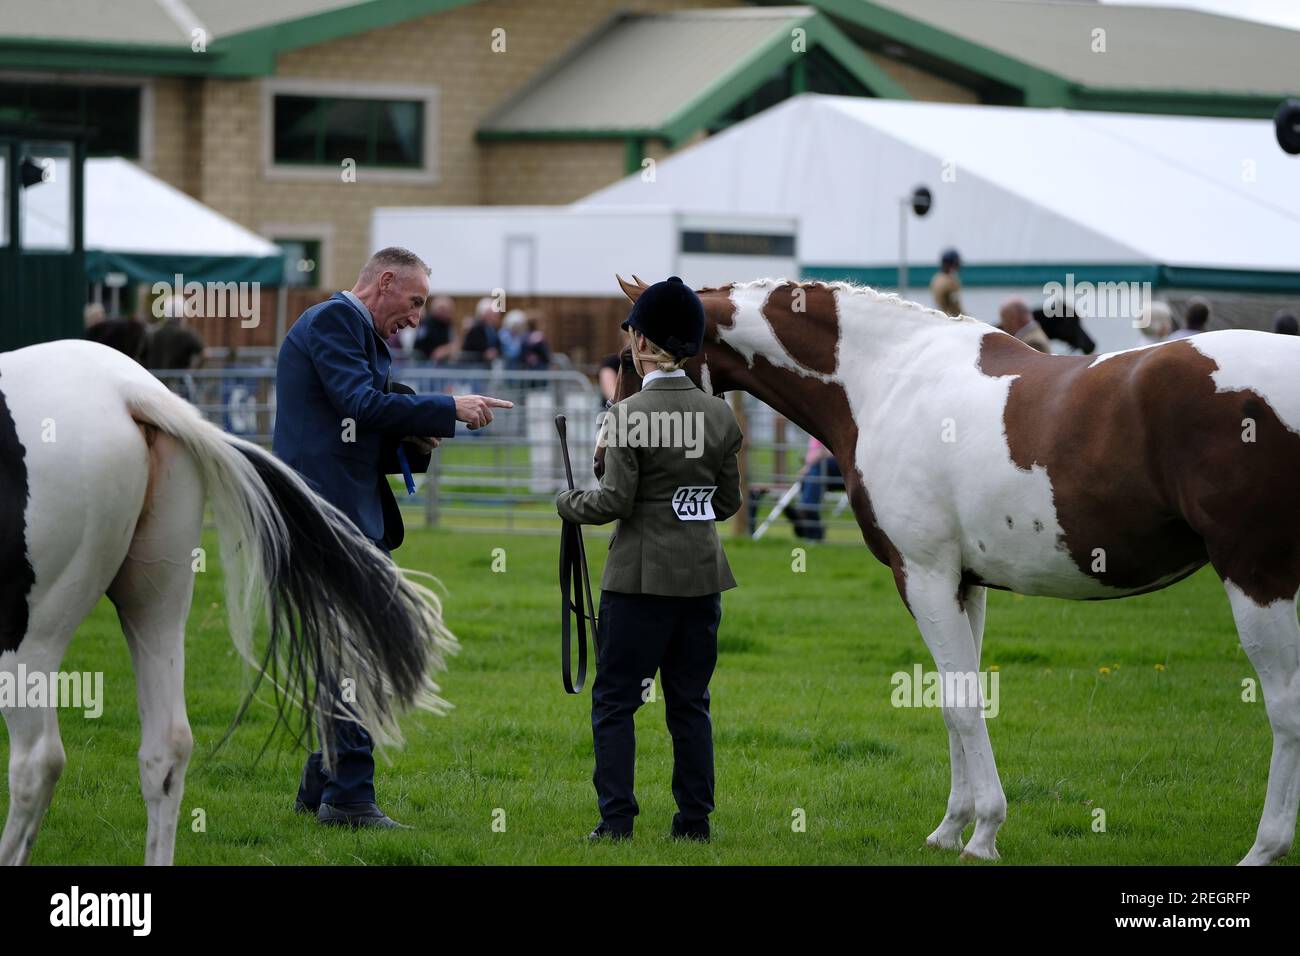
[[476, 410]]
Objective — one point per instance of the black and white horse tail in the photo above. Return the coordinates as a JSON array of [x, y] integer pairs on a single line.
[[350, 635]]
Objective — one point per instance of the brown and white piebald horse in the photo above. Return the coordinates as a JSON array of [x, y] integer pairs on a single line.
[[973, 461]]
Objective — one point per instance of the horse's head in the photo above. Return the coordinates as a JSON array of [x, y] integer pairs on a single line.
[[1063, 325]]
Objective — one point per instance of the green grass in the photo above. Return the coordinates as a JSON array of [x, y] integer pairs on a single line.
[[802, 717]]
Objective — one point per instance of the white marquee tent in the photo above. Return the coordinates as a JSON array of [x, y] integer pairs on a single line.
[[140, 226], [1028, 196]]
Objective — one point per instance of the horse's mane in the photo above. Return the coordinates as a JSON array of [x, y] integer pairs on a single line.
[[852, 288]]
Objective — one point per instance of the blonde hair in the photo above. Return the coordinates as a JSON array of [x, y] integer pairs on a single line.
[[663, 360]]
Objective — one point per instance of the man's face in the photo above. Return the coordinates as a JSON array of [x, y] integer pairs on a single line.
[[400, 299]]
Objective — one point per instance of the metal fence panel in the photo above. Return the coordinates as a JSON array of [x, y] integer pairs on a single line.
[[504, 477]]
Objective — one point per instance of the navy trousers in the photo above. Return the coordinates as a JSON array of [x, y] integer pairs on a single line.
[[353, 778], [639, 635]]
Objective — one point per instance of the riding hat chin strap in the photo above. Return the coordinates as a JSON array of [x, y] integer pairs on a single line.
[[639, 356]]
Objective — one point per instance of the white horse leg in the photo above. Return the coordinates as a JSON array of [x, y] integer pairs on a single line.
[[944, 625], [152, 592], [36, 760], [36, 756], [1271, 638], [961, 795]]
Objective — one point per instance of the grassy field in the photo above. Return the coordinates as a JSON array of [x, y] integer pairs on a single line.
[[1133, 707]]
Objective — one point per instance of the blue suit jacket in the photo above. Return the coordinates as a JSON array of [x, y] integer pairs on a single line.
[[333, 370]]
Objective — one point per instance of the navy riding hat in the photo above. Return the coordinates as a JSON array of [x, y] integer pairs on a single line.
[[670, 315]]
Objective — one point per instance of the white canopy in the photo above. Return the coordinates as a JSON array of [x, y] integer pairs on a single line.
[[1012, 188], [130, 210], [138, 224]]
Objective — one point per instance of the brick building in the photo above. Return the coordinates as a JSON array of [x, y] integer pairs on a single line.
[[253, 107]]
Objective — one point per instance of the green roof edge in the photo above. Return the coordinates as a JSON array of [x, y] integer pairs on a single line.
[[742, 79], [1042, 88], [752, 71], [245, 54]]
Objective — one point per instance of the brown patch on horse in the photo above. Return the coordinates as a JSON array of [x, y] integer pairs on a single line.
[[805, 320], [822, 410], [1147, 463]]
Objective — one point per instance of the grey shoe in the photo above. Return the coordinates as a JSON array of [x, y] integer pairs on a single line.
[[357, 816]]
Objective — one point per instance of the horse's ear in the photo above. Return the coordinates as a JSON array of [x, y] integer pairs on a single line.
[[633, 292]]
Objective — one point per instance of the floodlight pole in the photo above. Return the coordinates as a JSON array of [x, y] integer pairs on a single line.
[[904, 203], [919, 201]]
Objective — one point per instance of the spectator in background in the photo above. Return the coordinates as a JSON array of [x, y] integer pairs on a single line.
[[435, 337], [536, 352], [1156, 321], [169, 344], [125, 335], [1194, 322], [513, 335], [1284, 323], [945, 287], [1016, 319], [482, 342], [607, 378], [820, 472]]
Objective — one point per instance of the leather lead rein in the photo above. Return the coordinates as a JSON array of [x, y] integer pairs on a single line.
[[575, 587]]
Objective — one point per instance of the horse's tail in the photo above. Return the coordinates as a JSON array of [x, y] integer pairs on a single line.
[[349, 635]]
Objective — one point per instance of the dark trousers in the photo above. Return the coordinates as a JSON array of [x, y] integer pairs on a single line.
[[353, 778], [639, 635]]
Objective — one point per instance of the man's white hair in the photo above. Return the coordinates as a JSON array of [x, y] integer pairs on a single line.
[[391, 259]]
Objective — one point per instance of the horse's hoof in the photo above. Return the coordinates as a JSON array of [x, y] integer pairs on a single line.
[[1261, 857], [973, 853], [939, 841]]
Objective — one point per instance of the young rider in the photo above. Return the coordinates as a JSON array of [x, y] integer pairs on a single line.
[[661, 601]]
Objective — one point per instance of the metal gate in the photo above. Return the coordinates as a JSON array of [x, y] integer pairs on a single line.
[[503, 478]]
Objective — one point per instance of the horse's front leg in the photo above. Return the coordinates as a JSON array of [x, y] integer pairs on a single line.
[[961, 795], [952, 622]]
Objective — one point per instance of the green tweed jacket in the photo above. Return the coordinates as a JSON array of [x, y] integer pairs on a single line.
[[667, 478]]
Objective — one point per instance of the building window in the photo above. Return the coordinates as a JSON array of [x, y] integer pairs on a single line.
[[302, 262], [111, 112], [326, 130]]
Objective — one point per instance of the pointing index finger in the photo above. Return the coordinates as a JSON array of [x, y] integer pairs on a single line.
[[498, 402]]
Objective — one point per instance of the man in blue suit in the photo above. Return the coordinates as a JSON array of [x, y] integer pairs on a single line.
[[338, 423]]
